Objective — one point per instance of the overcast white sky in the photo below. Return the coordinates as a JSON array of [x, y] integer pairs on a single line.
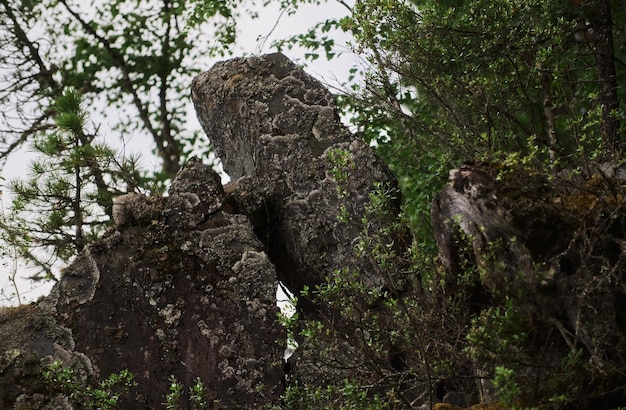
[[255, 37]]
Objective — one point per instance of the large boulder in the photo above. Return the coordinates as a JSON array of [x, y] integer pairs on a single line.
[[322, 202], [302, 177], [178, 288]]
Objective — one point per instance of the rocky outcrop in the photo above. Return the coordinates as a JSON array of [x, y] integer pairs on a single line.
[[184, 285], [310, 188], [302, 177], [178, 288]]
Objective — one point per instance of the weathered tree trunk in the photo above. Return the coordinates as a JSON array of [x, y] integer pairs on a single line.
[[549, 251]]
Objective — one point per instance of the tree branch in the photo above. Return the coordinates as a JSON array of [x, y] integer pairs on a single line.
[[127, 83], [600, 18], [171, 154]]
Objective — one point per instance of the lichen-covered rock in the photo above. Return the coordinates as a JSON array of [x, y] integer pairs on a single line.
[[184, 285], [318, 197], [300, 175], [30, 339], [180, 288]]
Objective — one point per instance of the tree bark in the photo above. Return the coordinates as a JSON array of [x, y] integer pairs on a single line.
[[599, 15]]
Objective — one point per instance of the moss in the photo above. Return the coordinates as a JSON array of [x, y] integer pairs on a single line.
[[489, 406], [445, 406]]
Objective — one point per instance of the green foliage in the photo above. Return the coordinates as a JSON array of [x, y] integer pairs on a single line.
[[361, 324], [449, 81], [340, 164], [136, 58], [318, 37], [197, 395], [174, 396], [67, 201], [346, 396], [454, 331], [340, 161], [470, 76], [507, 388], [130, 64], [223, 15], [106, 395], [496, 333], [521, 85]]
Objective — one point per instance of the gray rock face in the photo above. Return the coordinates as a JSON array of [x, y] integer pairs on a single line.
[[180, 288], [30, 339], [308, 186], [300, 175]]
